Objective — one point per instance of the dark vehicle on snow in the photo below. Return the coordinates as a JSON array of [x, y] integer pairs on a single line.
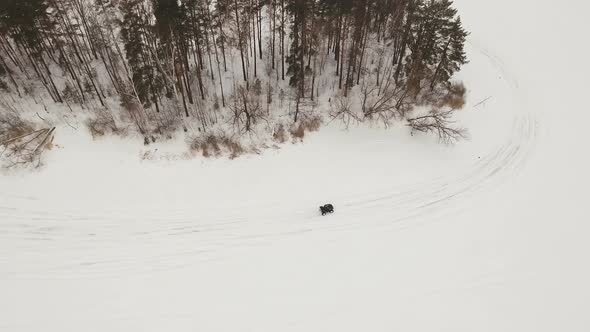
[[328, 208]]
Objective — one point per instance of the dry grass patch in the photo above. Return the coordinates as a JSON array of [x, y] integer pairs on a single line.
[[101, 124], [215, 146], [309, 124], [455, 97], [312, 124], [298, 132], [280, 134]]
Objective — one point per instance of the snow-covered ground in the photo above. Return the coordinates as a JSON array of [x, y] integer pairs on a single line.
[[488, 235]]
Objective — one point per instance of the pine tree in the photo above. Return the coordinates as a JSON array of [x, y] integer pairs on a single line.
[[294, 60], [136, 50], [452, 56], [240, 37], [436, 40]]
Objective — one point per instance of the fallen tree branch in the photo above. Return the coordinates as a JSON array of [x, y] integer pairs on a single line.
[[44, 141], [19, 137], [27, 148], [483, 101]]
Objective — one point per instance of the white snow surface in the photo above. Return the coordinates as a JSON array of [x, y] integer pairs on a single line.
[[487, 235]]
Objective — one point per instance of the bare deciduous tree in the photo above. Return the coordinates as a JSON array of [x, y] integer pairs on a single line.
[[246, 109], [390, 103], [440, 123], [343, 111]]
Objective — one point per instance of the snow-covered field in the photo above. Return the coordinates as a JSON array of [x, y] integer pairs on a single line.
[[488, 235]]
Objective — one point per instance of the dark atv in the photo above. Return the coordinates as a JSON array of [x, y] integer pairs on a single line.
[[328, 208]]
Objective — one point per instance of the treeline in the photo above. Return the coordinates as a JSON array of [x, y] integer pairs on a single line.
[[166, 61]]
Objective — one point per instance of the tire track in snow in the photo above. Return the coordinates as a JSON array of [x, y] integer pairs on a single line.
[[496, 167]]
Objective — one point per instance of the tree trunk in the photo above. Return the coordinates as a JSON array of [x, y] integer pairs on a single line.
[[283, 39], [240, 42], [273, 29], [442, 58], [254, 28]]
